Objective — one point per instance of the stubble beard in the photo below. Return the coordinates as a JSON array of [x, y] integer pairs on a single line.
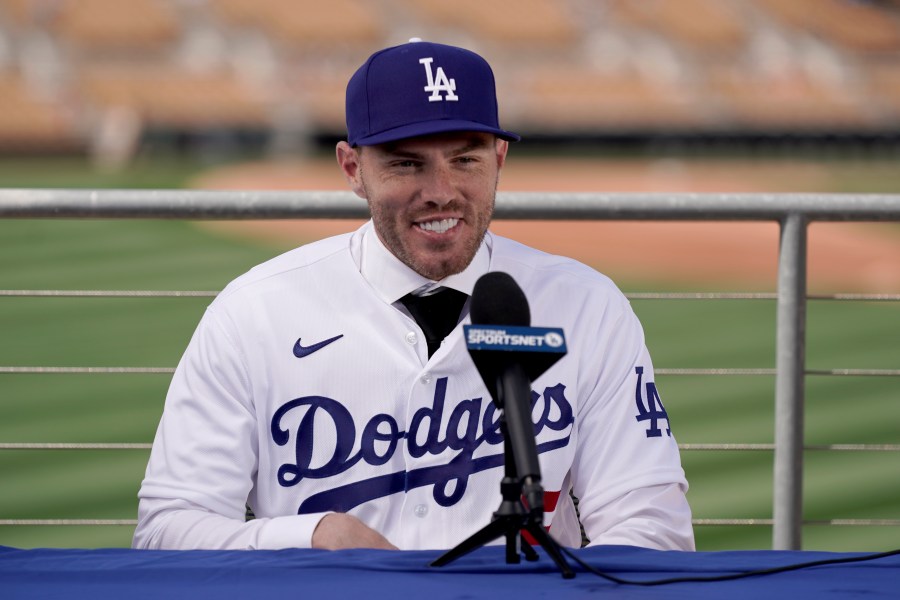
[[390, 233]]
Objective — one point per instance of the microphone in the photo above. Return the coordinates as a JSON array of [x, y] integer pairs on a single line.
[[509, 354], [498, 300]]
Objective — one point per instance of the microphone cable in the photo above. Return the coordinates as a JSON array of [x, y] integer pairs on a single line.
[[732, 576]]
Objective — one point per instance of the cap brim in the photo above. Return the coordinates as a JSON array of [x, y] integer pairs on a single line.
[[431, 127]]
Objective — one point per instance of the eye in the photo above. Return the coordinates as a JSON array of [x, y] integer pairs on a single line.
[[405, 164]]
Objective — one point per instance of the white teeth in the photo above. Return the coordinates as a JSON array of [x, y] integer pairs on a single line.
[[439, 226]]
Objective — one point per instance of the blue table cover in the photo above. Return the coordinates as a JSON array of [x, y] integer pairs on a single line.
[[375, 574]]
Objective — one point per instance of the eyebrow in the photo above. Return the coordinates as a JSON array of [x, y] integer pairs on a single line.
[[475, 143]]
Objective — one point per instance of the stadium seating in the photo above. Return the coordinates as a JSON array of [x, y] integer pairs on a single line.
[[708, 25], [885, 81], [167, 98], [858, 26], [528, 22], [30, 122], [570, 100], [304, 22], [744, 67], [789, 102], [115, 26]]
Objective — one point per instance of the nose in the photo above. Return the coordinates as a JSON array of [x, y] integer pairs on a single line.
[[439, 185]]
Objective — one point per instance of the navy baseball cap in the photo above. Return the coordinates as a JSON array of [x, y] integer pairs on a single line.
[[418, 89]]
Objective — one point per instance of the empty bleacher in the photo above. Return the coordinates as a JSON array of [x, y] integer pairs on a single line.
[[569, 100], [564, 67], [790, 101], [30, 122], [708, 25], [168, 98], [534, 23], [884, 80], [853, 24], [304, 23], [112, 26]]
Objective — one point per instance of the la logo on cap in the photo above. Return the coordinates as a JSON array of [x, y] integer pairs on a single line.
[[438, 82], [384, 103]]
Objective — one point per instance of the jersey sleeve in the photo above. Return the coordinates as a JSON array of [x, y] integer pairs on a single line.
[[205, 455], [627, 473]]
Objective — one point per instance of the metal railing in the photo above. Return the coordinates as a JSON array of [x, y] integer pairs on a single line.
[[793, 213]]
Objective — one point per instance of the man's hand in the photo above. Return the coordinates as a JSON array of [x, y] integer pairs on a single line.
[[337, 531]]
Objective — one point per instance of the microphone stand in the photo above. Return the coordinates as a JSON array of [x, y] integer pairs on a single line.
[[513, 518]]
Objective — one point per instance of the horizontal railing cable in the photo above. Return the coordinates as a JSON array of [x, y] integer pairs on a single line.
[[629, 295], [770, 522], [855, 372], [714, 371], [696, 522], [73, 446], [87, 370], [730, 371], [757, 296], [771, 447], [108, 293], [856, 297], [42, 370], [686, 446], [56, 522]]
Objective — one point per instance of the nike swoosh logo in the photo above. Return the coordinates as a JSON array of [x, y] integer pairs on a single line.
[[300, 351]]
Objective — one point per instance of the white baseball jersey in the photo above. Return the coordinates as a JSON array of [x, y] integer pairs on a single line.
[[305, 390]]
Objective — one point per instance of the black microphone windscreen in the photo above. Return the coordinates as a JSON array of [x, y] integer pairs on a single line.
[[498, 300]]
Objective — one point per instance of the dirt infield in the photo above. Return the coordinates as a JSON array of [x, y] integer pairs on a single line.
[[843, 257]]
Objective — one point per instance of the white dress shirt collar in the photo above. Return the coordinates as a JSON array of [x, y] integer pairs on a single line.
[[391, 279]]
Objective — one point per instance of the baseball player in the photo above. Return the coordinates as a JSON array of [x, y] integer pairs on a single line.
[[311, 394]]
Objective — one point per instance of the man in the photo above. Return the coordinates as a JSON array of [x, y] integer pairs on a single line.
[[311, 394]]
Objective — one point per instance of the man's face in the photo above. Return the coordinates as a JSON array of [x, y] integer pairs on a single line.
[[431, 197]]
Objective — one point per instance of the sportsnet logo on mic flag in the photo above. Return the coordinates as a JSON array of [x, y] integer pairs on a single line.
[[515, 339], [495, 348]]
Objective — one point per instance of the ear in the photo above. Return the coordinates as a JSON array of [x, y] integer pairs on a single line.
[[502, 147], [348, 159]]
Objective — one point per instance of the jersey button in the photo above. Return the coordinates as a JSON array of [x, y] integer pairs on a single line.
[[426, 378], [420, 510], [411, 338]]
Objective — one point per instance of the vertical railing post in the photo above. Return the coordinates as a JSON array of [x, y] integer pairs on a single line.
[[789, 385]]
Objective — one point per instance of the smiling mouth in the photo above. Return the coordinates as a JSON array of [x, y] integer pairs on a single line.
[[439, 226]]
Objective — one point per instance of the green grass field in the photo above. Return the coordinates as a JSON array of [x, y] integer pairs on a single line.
[[92, 484]]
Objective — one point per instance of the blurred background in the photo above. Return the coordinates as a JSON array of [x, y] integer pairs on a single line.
[[111, 79], [610, 95]]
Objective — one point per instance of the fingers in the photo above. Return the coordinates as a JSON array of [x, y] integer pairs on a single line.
[[338, 531]]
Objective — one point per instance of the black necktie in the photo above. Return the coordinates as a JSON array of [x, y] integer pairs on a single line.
[[437, 314]]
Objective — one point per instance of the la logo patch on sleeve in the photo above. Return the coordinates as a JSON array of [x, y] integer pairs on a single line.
[[653, 410]]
